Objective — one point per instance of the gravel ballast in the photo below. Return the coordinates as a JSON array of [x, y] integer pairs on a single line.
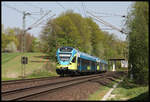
[[80, 91]]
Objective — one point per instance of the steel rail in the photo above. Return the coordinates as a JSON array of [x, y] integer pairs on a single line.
[[30, 91], [26, 80]]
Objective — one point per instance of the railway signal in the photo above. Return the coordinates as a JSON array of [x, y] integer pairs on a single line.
[[24, 60]]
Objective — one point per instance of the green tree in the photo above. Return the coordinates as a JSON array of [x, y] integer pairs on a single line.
[[71, 29], [36, 45], [3, 42], [11, 47], [9, 37], [137, 25]]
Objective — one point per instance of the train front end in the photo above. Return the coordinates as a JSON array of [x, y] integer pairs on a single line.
[[66, 61]]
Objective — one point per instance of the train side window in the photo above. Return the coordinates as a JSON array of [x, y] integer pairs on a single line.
[[74, 60]]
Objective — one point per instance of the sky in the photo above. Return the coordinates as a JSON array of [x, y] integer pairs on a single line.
[[110, 12]]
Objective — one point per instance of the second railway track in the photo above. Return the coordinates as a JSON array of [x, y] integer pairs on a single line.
[[18, 84], [11, 82]]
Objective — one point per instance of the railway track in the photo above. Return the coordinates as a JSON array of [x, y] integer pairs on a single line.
[[35, 91], [18, 84], [26, 80]]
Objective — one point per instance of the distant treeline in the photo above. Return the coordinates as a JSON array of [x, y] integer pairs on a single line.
[[71, 29], [12, 41]]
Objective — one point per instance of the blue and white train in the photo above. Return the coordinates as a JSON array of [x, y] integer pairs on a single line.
[[71, 61]]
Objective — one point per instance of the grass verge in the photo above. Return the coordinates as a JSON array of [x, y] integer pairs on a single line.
[[127, 90], [38, 65], [98, 95], [8, 56], [41, 73]]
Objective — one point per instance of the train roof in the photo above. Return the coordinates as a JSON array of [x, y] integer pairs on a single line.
[[89, 57], [84, 55]]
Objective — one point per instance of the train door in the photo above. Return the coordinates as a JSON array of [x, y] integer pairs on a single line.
[[98, 66], [95, 66], [88, 66], [83, 65], [91, 66], [79, 64], [74, 63], [101, 67]]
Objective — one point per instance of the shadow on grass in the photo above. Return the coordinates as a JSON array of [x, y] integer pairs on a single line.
[[44, 57], [112, 79], [39, 61], [142, 97], [128, 84]]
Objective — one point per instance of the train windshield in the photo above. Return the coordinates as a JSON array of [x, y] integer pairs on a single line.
[[64, 56], [66, 49]]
